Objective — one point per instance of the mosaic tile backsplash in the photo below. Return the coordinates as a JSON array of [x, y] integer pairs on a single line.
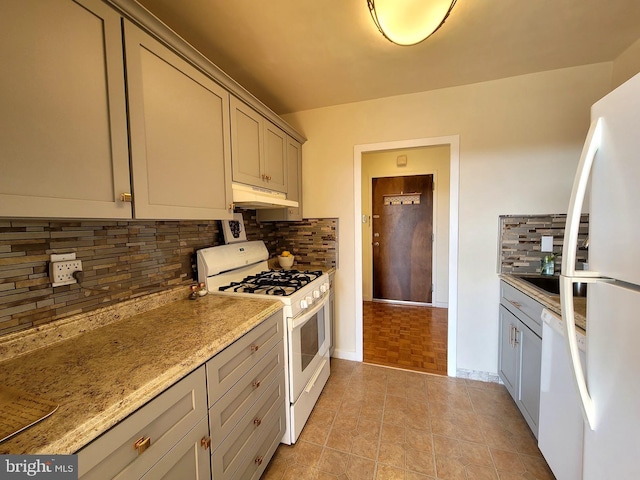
[[520, 239], [123, 260]]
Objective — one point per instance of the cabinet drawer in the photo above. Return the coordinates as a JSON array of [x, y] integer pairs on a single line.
[[188, 460], [229, 409], [232, 452], [163, 420], [227, 367], [520, 303], [258, 459]]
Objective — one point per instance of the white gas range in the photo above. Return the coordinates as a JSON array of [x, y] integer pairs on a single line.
[[242, 269]]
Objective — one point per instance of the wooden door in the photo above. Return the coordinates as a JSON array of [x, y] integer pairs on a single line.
[[402, 238]]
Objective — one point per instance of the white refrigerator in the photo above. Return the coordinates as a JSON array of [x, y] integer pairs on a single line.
[[609, 389]]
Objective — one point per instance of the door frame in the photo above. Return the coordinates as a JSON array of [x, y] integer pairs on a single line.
[[454, 186], [434, 230]]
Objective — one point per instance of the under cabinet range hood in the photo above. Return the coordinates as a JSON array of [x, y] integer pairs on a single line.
[[246, 196]]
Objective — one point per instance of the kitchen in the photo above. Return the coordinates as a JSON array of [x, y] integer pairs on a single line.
[[502, 133]]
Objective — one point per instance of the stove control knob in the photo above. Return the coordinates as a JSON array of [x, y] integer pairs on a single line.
[[309, 300], [324, 288], [316, 294], [303, 304]]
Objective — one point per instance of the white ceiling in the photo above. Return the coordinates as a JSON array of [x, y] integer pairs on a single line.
[[302, 54]]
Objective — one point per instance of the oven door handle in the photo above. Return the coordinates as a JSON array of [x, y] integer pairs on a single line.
[[305, 315], [314, 379]]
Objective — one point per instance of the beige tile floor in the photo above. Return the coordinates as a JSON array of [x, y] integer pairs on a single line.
[[373, 422]]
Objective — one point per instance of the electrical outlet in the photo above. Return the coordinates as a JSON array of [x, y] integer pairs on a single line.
[[61, 273]]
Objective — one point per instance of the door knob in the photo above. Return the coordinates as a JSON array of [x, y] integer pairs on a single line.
[[376, 244]]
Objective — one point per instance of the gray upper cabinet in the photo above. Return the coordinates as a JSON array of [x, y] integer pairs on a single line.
[[294, 182], [180, 131], [106, 113], [63, 124], [258, 149]]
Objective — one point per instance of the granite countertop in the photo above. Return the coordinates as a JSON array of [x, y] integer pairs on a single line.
[[549, 300], [101, 374]]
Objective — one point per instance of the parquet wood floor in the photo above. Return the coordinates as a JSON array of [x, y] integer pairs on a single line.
[[409, 337]]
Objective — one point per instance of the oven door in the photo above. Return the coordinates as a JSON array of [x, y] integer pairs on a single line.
[[309, 341]]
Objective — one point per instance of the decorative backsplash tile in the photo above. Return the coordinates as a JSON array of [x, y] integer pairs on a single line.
[[123, 260], [520, 239]]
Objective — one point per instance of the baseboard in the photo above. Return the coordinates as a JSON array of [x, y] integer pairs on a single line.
[[478, 375], [346, 355]]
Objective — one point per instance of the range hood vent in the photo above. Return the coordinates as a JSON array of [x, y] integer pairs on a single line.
[[246, 196]]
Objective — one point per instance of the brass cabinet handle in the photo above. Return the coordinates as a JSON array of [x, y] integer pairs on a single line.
[[257, 422], [142, 444], [254, 347], [256, 384], [126, 197], [231, 207], [205, 442], [258, 461]]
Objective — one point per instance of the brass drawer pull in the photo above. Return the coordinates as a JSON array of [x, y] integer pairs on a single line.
[[257, 422], [205, 442], [126, 197], [256, 384], [254, 348], [258, 461], [142, 444]]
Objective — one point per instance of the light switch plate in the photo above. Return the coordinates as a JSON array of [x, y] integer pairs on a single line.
[[547, 243]]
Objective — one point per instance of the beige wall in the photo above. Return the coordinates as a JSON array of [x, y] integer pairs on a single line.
[[626, 65], [520, 139], [425, 160]]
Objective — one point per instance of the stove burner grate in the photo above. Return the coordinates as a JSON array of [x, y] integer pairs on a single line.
[[273, 282]]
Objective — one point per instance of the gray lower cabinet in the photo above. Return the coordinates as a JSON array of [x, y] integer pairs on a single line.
[[520, 351], [247, 402], [162, 437], [227, 417]]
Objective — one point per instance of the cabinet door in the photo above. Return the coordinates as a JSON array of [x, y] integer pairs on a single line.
[[508, 354], [294, 187], [63, 125], [180, 131], [275, 157], [187, 460], [529, 388], [246, 142]]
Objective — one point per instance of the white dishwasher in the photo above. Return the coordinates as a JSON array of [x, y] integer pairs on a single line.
[[561, 427]]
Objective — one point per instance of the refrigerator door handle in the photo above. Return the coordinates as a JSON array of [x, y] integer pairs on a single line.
[[568, 320], [570, 245], [568, 272]]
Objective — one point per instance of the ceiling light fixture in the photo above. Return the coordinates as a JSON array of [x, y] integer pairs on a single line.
[[409, 22]]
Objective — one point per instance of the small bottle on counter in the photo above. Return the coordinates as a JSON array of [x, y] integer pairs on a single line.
[[548, 265], [194, 292], [202, 289]]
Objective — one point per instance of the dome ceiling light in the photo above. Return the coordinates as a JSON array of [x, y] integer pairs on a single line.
[[409, 22]]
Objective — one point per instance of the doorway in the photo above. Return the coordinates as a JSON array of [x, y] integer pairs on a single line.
[[445, 260], [402, 224]]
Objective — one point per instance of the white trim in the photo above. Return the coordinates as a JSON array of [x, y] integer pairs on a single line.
[[454, 167]]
